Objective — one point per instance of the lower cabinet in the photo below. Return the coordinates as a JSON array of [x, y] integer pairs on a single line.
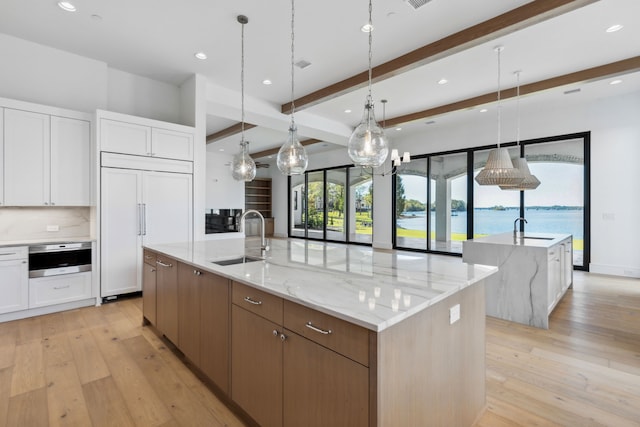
[[149, 289], [14, 279], [44, 291], [167, 297], [203, 322], [292, 372]]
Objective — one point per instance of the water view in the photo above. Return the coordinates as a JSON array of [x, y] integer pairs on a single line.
[[493, 221]]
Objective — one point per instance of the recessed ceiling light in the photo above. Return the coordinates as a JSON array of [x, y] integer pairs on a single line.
[[347, 111], [220, 149], [614, 28], [398, 129], [66, 5], [443, 81], [200, 55], [366, 28], [266, 82], [484, 110], [615, 82]]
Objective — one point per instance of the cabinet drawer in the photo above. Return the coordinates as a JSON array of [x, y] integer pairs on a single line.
[[343, 337], [149, 257], [45, 291], [258, 302]]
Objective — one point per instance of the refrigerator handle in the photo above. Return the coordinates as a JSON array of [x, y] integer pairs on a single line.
[[144, 219], [139, 219]]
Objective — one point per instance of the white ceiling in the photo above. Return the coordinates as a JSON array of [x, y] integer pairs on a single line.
[[158, 38]]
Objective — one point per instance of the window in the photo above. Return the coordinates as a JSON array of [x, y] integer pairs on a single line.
[[332, 204]]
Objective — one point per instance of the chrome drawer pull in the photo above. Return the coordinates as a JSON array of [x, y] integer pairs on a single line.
[[252, 301], [314, 328], [163, 264], [61, 287]]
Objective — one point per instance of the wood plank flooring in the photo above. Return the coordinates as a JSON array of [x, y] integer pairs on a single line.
[[98, 366]]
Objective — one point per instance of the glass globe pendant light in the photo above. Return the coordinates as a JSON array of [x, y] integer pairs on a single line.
[[530, 182], [499, 169], [243, 168], [368, 144], [292, 156]]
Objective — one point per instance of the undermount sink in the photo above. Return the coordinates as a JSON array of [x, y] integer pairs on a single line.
[[240, 260], [538, 238]]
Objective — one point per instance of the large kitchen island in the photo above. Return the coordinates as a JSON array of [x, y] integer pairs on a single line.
[[321, 334]]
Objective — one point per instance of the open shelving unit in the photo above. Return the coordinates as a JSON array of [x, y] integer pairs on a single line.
[[257, 195]]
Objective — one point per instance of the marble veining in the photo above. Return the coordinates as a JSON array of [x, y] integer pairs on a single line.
[[372, 288], [521, 290], [25, 225]]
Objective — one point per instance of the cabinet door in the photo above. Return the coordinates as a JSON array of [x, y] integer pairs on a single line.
[[14, 285], [127, 138], [167, 297], [26, 158], [554, 287], [70, 162], [1, 156], [189, 298], [121, 231], [149, 292], [44, 291], [171, 144], [167, 207], [214, 329], [321, 387], [256, 371], [568, 264]]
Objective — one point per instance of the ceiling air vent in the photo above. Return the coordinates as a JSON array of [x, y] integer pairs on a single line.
[[416, 4], [302, 64], [568, 92]]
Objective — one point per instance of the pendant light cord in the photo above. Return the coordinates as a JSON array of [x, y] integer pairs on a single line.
[[242, 85], [518, 107], [293, 105], [369, 98], [499, 49]]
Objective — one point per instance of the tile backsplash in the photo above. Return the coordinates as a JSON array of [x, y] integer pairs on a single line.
[[30, 223]]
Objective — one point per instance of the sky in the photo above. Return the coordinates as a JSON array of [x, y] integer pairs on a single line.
[[561, 184]]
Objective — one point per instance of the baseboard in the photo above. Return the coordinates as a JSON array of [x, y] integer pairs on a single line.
[[615, 270], [23, 314]]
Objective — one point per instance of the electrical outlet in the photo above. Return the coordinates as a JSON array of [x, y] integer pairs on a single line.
[[454, 314], [53, 228]]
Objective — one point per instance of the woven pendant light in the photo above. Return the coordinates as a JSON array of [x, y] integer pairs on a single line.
[[499, 169]]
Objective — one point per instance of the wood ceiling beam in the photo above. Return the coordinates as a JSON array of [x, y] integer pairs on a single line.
[[584, 76], [230, 131], [271, 151], [499, 26]]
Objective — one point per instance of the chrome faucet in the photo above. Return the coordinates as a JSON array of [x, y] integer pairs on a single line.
[[515, 232], [263, 241]]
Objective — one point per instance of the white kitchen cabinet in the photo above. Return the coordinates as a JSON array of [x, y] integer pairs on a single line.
[[1, 156], [45, 291], [70, 162], [139, 207], [14, 282], [47, 159], [26, 158], [132, 138]]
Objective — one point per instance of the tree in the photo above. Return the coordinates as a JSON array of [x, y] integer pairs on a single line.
[[400, 196]]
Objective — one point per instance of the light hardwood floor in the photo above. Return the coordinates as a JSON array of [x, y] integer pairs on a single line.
[[98, 366]]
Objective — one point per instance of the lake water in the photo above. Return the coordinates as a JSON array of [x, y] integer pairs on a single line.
[[489, 221]]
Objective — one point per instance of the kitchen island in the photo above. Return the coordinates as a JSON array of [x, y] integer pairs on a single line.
[[320, 334], [536, 269]]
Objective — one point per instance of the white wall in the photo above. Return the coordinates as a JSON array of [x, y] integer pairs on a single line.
[[223, 192], [36, 73], [144, 97]]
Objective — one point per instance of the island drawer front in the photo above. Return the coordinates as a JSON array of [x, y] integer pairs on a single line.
[[345, 338], [258, 302], [149, 257]]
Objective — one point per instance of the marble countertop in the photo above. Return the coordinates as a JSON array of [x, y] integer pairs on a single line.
[[371, 288], [533, 240], [27, 242]]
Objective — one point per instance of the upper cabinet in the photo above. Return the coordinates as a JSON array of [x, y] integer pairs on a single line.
[[142, 140], [47, 159]]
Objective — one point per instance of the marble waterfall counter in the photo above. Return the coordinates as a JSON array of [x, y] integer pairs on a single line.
[[536, 269], [373, 289]]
